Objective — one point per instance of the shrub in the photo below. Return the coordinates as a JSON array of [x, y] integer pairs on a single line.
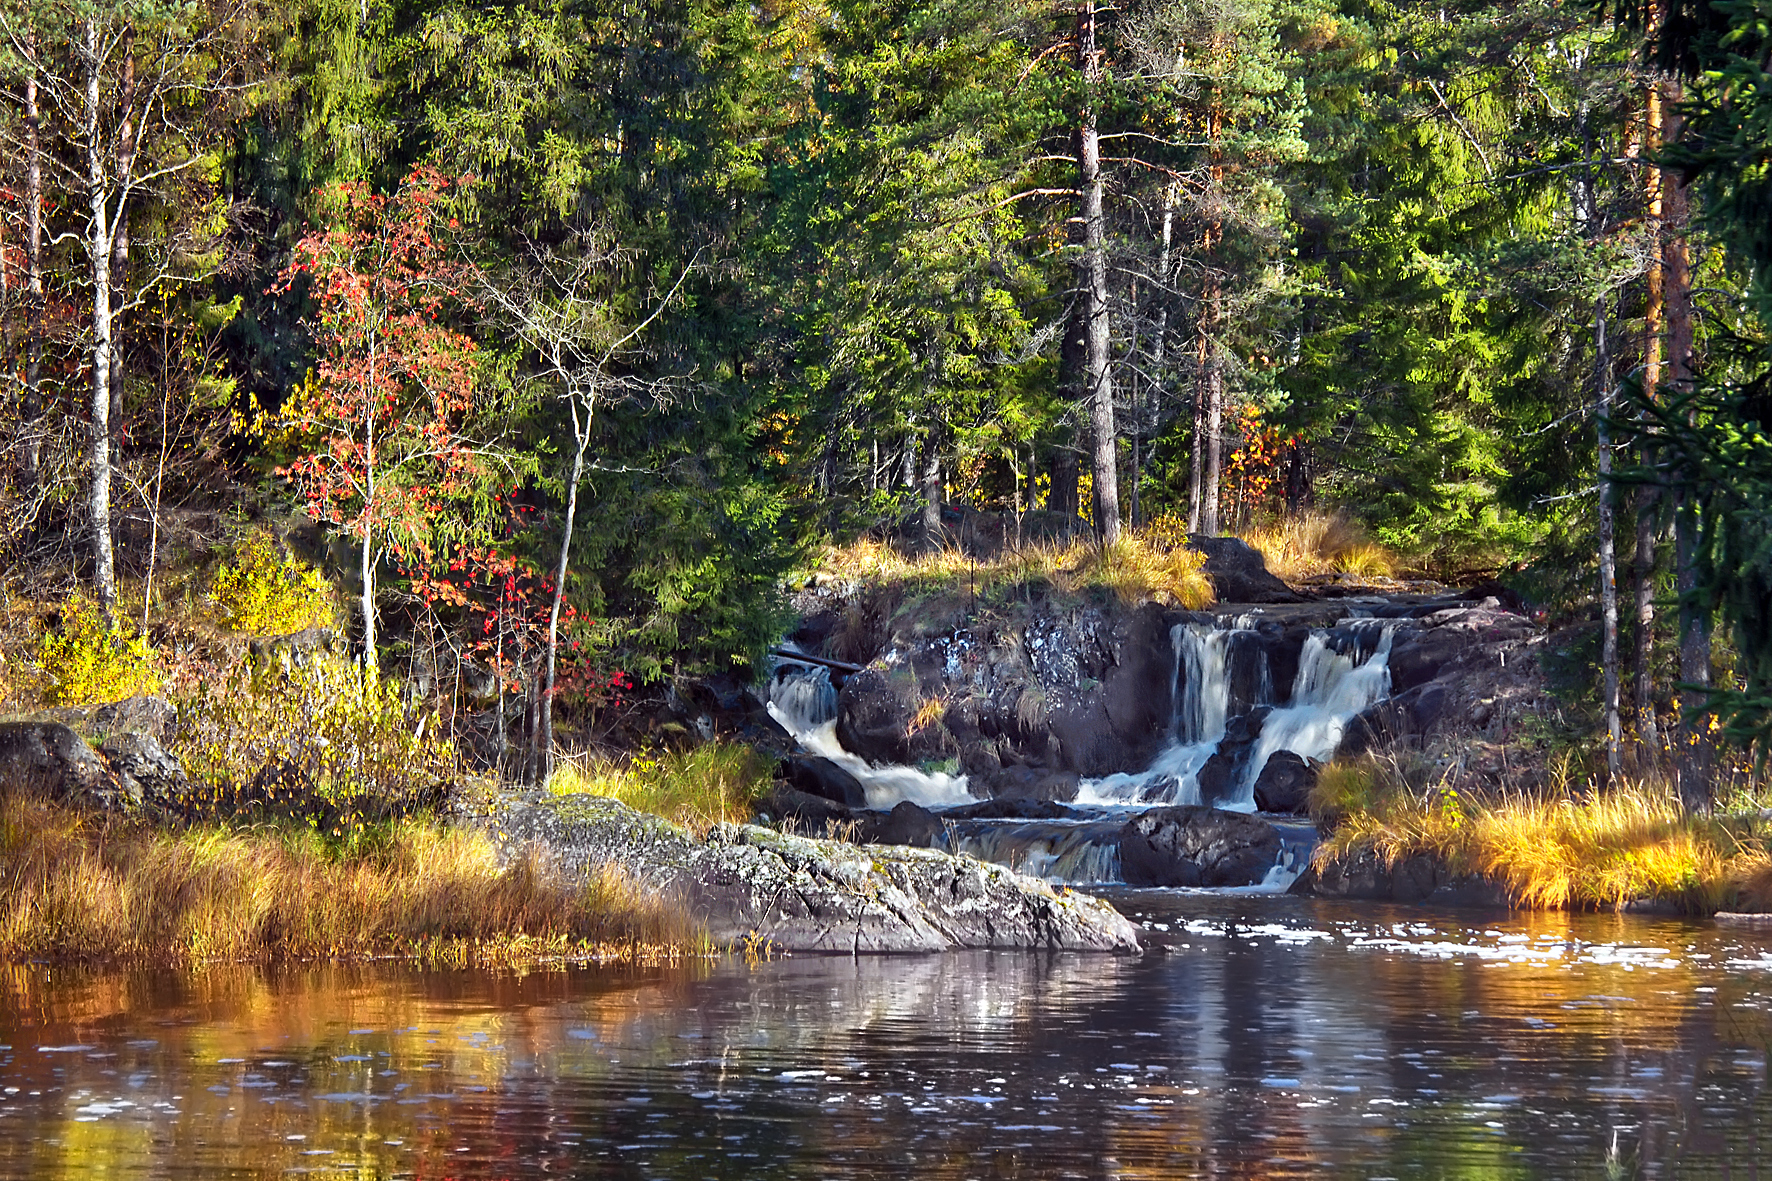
[[265, 593], [322, 740], [704, 785], [92, 659]]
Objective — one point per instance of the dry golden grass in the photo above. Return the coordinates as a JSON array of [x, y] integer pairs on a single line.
[[1600, 849], [1147, 563], [1313, 543], [72, 889], [707, 784]]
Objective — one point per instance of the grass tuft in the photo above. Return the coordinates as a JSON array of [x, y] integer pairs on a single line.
[[1560, 852], [707, 784], [1147, 563], [72, 889], [1312, 544]]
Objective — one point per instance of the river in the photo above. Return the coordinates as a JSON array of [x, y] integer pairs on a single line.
[[1258, 1036]]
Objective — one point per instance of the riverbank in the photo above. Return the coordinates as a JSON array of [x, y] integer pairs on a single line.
[[82, 885]]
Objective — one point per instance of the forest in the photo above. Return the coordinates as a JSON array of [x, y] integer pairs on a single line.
[[576, 326]]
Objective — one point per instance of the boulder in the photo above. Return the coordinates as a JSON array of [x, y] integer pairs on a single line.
[[751, 885], [48, 759], [1197, 846], [147, 770], [809, 812], [821, 777], [1239, 573], [1012, 808], [1221, 780], [907, 824], [1029, 783], [1285, 783]]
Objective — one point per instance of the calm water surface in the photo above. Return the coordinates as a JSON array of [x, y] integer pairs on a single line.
[[1259, 1037]]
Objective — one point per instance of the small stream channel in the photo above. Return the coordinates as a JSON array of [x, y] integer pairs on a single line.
[[1257, 1037]]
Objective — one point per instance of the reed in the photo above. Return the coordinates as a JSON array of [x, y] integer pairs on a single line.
[[73, 888], [706, 784], [1553, 852], [1311, 544]]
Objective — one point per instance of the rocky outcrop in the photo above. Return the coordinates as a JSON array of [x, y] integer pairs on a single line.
[[798, 894], [1079, 690], [1197, 846], [1238, 572]]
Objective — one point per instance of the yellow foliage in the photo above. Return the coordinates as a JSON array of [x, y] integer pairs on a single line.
[[324, 726], [707, 784], [264, 593], [92, 659], [69, 889]]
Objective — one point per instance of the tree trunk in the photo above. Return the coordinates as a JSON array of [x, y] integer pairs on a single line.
[[32, 407], [1062, 498], [98, 247], [1160, 343], [1098, 379], [546, 738], [1643, 656], [1608, 550], [1213, 443], [1197, 445], [367, 604], [126, 143], [932, 490], [1694, 762]]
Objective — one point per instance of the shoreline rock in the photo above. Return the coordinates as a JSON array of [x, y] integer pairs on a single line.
[[798, 894]]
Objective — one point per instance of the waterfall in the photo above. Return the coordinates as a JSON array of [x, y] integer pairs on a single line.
[[1331, 689], [1077, 853], [1201, 704], [803, 700]]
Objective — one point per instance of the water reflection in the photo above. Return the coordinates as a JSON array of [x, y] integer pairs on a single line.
[[1261, 1037]]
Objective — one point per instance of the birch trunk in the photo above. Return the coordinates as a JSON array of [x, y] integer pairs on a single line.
[[98, 246]]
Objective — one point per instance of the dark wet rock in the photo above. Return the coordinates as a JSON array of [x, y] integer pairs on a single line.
[[822, 777], [1029, 783], [907, 824], [1419, 657], [1221, 779], [810, 813], [49, 760], [1239, 573], [146, 770], [805, 895], [1363, 875], [1397, 719], [1197, 846], [1285, 783]]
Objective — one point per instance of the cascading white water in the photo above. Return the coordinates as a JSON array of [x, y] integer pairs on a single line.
[[806, 706], [1076, 853], [1202, 702]]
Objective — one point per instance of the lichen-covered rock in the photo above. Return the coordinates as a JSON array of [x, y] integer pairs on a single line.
[[147, 770], [800, 894]]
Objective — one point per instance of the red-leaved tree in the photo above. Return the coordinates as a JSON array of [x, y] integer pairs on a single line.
[[381, 419]]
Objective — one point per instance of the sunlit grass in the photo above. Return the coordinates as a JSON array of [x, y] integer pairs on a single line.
[[1146, 563], [72, 889], [1552, 852], [1314, 543], [707, 784]]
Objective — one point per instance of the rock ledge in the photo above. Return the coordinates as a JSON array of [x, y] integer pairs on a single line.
[[745, 882]]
